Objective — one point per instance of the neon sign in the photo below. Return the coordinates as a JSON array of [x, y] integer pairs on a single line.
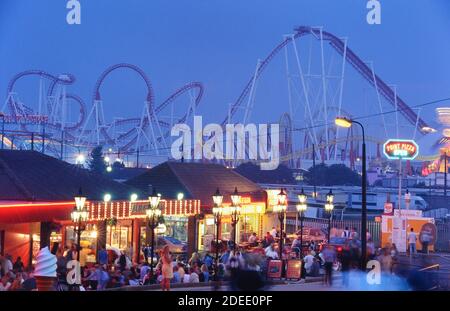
[[400, 149]]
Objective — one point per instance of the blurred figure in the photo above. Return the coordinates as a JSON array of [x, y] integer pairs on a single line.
[[329, 255], [346, 263], [345, 233], [102, 256], [354, 234], [29, 282], [425, 239], [274, 232], [315, 268], [17, 283], [268, 239], [312, 245], [385, 260], [253, 239], [208, 260], [4, 284], [193, 276], [309, 260], [18, 265], [204, 274], [195, 260], [270, 252], [166, 269], [297, 246], [412, 238]]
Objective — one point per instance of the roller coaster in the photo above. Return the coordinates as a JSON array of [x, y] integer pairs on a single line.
[[315, 96]]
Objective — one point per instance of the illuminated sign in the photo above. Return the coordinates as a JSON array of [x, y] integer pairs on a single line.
[[26, 119], [399, 149]]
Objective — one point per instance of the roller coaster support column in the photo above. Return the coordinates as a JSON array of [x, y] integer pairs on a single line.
[[2, 115], [43, 138], [445, 173]]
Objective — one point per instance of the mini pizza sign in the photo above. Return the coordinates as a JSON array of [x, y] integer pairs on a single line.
[[399, 149]]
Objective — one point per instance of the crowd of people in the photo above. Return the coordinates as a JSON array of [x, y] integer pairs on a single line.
[[242, 266]]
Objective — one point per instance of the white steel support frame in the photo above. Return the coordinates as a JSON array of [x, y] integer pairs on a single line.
[[312, 136], [151, 117], [341, 91], [378, 98], [419, 110], [394, 89], [324, 94], [95, 110], [251, 97], [288, 77]]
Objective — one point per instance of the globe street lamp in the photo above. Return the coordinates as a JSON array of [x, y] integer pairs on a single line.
[[153, 213], [280, 208], [217, 212], [235, 213], [79, 215], [329, 208], [301, 209], [345, 122]]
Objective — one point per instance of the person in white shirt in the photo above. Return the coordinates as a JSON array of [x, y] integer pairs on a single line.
[[412, 238], [193, 277], [309, 260], [346, 233], [4, 284], [270, 252], [252, 238], [273, 232]]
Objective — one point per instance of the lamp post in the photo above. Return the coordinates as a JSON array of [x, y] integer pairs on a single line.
[[280, 208], [345, 122], [329, 208], [301, 208], [79, 215], [217, 212], [235, 214], [153, 212]]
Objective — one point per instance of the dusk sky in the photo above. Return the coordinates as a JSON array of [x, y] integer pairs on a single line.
[[217, 42]]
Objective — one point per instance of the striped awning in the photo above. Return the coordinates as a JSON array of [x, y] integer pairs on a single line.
[[130, 210]]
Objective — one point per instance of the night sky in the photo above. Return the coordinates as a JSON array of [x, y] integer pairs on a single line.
[[217, 42]]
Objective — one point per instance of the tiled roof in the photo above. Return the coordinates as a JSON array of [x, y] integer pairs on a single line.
[[33, 176]]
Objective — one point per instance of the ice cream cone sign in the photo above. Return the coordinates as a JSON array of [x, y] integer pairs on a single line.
[[45, 270]]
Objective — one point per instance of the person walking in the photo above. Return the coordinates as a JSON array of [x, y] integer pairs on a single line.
[[166, 269], [412, 238], [426, 238], [345, 233], [329, 255]]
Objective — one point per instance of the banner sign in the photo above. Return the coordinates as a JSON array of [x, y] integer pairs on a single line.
[[274, 269], [400, 149], [294, 269]]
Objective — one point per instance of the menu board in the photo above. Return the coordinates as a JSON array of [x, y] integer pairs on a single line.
[[294, 269], [274, 269]]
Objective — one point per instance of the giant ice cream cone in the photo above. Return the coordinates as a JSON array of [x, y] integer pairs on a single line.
[[45, 271]]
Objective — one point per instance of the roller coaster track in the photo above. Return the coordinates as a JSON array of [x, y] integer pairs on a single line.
[[164, 104], [55, 80], [65, 79], [96, 96], [351, 58]]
